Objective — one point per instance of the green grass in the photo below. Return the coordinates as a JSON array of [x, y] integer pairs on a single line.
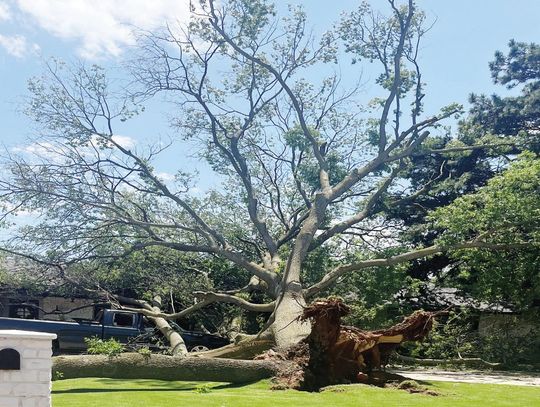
[[154, 393]]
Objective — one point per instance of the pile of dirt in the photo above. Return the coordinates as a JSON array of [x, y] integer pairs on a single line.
[[412, 387], [392, 382]]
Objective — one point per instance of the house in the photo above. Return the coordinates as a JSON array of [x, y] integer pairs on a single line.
[[491, 318], [43, 299], [17, 304]]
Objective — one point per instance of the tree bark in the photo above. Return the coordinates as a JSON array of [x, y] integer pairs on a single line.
[[161, 367], [177, 344], [287, 329]]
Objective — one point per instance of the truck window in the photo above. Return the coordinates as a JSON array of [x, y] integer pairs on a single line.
[[125, 320], [99, 316]]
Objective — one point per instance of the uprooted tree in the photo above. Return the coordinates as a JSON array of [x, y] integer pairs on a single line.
[[330, 354], [303, 164]]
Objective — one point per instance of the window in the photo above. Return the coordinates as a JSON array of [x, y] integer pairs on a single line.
[[125, 320], [99, 310], [19, 309]]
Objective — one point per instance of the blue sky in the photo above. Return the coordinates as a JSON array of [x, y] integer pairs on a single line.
[[454, 59]]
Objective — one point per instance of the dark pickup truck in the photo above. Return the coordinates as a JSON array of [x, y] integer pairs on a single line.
[[124, 326]]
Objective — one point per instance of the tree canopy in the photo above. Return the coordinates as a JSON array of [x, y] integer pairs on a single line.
[[306, 166]]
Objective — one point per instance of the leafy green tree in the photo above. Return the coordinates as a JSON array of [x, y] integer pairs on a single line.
[[507, 210], [512, 115], [450, 176]]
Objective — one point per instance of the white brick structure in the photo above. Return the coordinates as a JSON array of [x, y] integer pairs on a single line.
[[29, 386]]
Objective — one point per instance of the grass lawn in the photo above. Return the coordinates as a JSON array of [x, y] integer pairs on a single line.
[[154, 393]]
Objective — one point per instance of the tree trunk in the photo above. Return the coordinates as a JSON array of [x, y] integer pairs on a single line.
[[287, 329], [177, 344], [161, 367]]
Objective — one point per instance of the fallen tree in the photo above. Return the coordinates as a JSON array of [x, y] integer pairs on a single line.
[[245, 348], [331, 354]]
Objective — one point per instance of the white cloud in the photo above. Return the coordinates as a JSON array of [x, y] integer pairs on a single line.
[[17, 45], [5, 13], [124, 141], [57, 152], [102, 27], [165, 176], [41, 149]]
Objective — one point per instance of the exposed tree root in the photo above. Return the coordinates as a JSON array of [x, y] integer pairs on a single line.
[[412, 387], [333, 354]]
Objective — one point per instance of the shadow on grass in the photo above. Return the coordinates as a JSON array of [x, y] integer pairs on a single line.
[[117, 390], [232, 385], [152, 386]]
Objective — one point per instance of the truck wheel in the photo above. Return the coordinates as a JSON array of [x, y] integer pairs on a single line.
[[199, 348]]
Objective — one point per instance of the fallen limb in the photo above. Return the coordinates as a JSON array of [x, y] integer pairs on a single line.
[[177, 344], [161, 367], [245, 349], [457, 361]]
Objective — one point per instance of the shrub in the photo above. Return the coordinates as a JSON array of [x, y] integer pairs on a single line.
[[203, 388], [145, 352], [57, 375], [110, 347], [505, 342]]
